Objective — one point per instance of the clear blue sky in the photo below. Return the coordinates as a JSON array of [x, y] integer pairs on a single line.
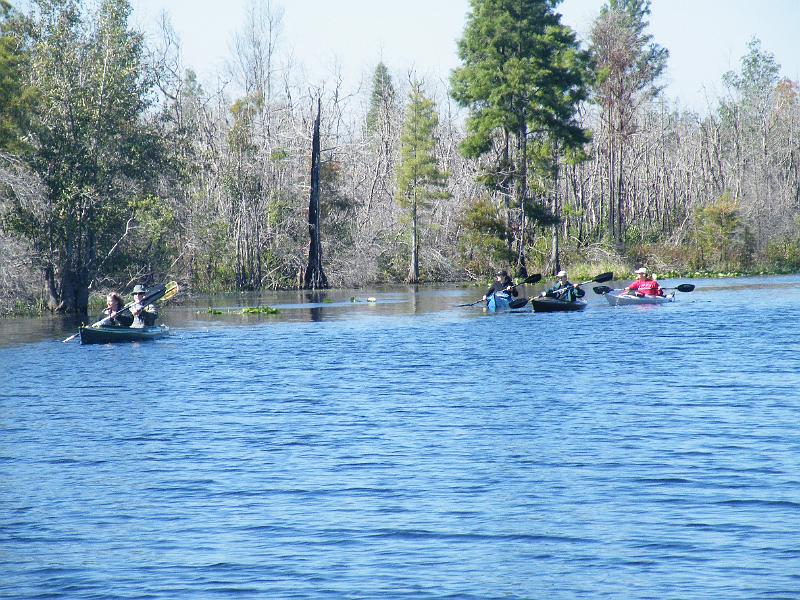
[[705, 37]]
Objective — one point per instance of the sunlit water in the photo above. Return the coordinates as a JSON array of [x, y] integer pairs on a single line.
[[408, 448]]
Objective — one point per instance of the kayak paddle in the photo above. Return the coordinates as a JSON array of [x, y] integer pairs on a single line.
[[599, 279], [530, 279]]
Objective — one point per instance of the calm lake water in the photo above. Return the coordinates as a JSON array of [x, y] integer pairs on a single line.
[[409, 448]]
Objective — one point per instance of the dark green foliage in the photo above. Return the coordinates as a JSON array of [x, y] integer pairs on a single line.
[[15, 94], [93, 150], [522, 69], [783, 255], [523, 77], [721, 237], [484, 245]]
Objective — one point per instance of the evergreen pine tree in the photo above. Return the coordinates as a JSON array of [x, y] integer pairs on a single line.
[[522, 78], [419, 179], [382, 99]]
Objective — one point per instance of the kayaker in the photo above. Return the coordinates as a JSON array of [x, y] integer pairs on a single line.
[[113, 306], [143, 316], [562, 289], [502, 283], [644, 285]]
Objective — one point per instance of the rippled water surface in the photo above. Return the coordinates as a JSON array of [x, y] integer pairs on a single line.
[[408, 448]]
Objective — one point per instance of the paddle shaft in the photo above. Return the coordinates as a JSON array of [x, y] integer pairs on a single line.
[[599, 279]]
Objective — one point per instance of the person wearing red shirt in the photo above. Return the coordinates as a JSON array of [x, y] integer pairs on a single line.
[[644, 285]]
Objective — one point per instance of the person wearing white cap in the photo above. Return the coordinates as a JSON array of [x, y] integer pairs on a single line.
[[562, 289], [644, 285]]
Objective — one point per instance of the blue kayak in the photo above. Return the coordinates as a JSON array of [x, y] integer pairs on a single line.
[[502, 301]]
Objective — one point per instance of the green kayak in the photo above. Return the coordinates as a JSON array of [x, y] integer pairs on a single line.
[[113, 335]]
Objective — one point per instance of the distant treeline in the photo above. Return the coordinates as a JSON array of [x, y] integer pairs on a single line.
[[542, 151]]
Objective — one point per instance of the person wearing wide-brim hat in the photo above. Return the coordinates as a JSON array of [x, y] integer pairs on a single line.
[[562, 289], [143, 315], [644, 285], [502, 283]]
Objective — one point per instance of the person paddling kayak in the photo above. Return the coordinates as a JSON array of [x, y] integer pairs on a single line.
[[143, 316], [113, 306], [502, 283], [563, 289], [644, 285]]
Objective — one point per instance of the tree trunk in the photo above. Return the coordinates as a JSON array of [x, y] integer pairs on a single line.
[[413, 273], [315, 276], [521, 192], [555, 256], [505, 187]]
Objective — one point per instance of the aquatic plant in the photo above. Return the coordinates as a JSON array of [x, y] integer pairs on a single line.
[[260, 310]]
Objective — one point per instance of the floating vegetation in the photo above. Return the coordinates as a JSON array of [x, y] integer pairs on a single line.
[[260, 310], [214, 311], [370, 299]]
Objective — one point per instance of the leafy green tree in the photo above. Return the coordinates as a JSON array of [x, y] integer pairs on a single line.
[[522, 78], [92, 143], [756, 82], [419, 179], [14, 94], [747, 113], [721, 236]]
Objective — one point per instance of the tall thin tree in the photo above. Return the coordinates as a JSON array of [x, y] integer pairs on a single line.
[[419, 178], [628, 64], [314, 277]]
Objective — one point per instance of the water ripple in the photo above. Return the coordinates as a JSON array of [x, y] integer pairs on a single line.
[[412, 451]]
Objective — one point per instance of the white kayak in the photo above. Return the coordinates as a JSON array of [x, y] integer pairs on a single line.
[[616, 298]]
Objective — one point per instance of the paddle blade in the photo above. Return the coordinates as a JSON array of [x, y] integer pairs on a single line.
[[685, 287], [533, 278], [72, 337], [171, 291], [601, 289], [603, 277], [518, 303]]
